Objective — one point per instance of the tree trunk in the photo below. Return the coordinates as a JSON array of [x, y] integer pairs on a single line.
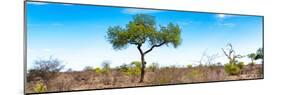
[[142, 68]]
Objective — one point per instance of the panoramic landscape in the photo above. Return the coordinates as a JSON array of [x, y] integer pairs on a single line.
[[82, 47]]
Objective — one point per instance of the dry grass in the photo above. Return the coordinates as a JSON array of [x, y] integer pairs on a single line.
[[169, 75]]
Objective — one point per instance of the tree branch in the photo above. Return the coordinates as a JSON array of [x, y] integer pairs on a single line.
[[154, 47], [228, 56], [139, 48], [224, 52]]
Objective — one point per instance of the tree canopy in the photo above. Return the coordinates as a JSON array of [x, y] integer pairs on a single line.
[[142, 29], [259, 54]]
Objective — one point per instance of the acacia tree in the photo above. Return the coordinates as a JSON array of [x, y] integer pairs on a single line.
[[252, 56], [142, 32]]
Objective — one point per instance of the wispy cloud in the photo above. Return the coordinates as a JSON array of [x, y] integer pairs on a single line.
[[46, 50], [226, 24], [221, 20], [67, 4], [37, 3], [223, 16], [136, 11]]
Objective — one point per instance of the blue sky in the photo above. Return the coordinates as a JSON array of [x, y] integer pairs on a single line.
[[76, 34]]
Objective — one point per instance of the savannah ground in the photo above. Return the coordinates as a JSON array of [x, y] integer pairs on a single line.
[[114, 78]]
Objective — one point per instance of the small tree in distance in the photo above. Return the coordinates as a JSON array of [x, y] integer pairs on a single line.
[[105, 67], [252, 56], [142, 30], [259, 54]]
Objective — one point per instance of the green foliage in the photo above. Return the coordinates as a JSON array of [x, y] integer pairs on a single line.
[[123, 68], [136, 64], [132, 69], [252, 56], [105, 67], [153, 67], [98, 70], [259, 54], [240, 65], [143, 29], [232, 69], [39, 87], [135, 68], [189, 66]]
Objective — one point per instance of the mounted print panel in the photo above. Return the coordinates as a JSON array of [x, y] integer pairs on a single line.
[[77, 47]]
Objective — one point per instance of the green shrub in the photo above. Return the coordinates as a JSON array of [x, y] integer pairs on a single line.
[[240, 65], [105, 67], [134, 71], [135, 68], [189, 66], [232, 69], [136, 64], [39, 87], [98, 70], [123, 68]]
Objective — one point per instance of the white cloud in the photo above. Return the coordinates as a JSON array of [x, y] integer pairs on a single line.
[[221, 20], [221, 15], [46, 50], [37, 3], [136, 11]]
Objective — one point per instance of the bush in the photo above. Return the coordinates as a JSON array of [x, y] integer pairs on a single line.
[[98, 70], [105, 67], [189, 66], [134, 71], [240, 65], [135, 68], [232, 69], [45, 69], [39, 87], [136, 64], [123, 68]]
